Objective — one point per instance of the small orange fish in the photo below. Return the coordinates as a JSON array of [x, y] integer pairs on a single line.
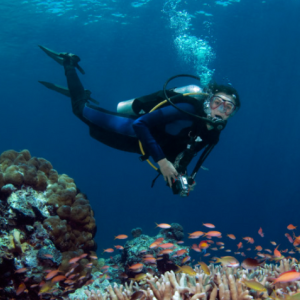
[[260, 232], [58, 278], [52, 274], [48, 255], [213, 233], [165, 251], [180, 242], [206, 254], [209, 225], [249, 239], [181, 252], [83, 255], [288, 276], [289, 238], [136, 267], [276, 252], [203, 245], [196, 234], [21, 289], [93, 257], [121, 236], [74, 260], [220, 243], [154, 245], [186, 259], [240, 245], [119, 247], [109, 250], [291, 227], [22, 270], [273, 243], [268, 250], [166, 245], [163, 225], [258, 248], [231, 236], [196, 248]]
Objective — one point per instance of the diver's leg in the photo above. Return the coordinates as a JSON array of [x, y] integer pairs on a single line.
[[77, 92]]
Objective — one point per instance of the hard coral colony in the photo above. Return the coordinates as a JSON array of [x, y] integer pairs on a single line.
[[45, 221]]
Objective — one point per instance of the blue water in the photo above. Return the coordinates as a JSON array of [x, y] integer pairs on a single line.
[[129, 49]]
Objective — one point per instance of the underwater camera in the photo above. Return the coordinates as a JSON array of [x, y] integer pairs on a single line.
[[181, 185]]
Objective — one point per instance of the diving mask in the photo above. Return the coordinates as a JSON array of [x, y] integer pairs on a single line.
[[222, 105]]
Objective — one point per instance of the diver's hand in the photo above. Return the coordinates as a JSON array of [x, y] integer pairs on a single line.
[[167, 170]]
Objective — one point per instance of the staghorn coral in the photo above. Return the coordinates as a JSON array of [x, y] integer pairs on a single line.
[[222, 284], [45, 221]]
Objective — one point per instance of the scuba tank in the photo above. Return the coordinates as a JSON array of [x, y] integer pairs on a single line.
[[142, 105]]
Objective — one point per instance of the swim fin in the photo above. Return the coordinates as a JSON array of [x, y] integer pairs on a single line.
[[59, 57], [65, 91]]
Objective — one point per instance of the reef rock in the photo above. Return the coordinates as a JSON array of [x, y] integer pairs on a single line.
[[43, 218]]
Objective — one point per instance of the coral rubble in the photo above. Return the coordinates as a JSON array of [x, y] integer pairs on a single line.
[[44, 222]]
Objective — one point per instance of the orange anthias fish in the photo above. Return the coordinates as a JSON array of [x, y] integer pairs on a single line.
[[240, 245], [121, 237], [209, 225], [22, 270], [195, 234], [136, 266], [276, 252], [260, 232], [258, 248], [21, 289], [291, 227], [109, 250], [289, 238], [52, 274], [231, 236], [58, 278], [163, 225], [249, 239], [203, 245], [166, 245], [213, 233], [119, 247], [288, 276]]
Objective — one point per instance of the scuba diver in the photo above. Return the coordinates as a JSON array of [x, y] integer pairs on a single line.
[[171, 126]]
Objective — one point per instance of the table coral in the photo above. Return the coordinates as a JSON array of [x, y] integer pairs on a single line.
[[44, 221]]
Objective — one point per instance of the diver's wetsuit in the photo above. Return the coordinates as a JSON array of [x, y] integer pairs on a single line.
[[164, 133]]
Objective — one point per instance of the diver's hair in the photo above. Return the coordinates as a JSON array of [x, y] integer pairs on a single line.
[[227, 89]]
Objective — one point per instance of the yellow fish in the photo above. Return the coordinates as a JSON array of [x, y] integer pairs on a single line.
[[204, 267], [187, 270], [254, 285]]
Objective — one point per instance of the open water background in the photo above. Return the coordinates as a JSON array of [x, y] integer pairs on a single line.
[[127, 50]]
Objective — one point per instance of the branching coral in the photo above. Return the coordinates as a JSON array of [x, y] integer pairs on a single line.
[[223, 284]]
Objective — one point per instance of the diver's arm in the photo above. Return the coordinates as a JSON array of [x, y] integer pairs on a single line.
[[163, 116], [167, 170]]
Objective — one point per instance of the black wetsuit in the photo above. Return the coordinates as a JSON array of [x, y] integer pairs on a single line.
[[164, 133]]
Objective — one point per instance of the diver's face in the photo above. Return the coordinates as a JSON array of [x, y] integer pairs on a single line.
[[222, 105]]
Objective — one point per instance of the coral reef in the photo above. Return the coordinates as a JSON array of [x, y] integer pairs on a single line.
[[45, 221], [222, 283]]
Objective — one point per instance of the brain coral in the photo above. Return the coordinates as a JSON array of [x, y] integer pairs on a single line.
[[43, 218]]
